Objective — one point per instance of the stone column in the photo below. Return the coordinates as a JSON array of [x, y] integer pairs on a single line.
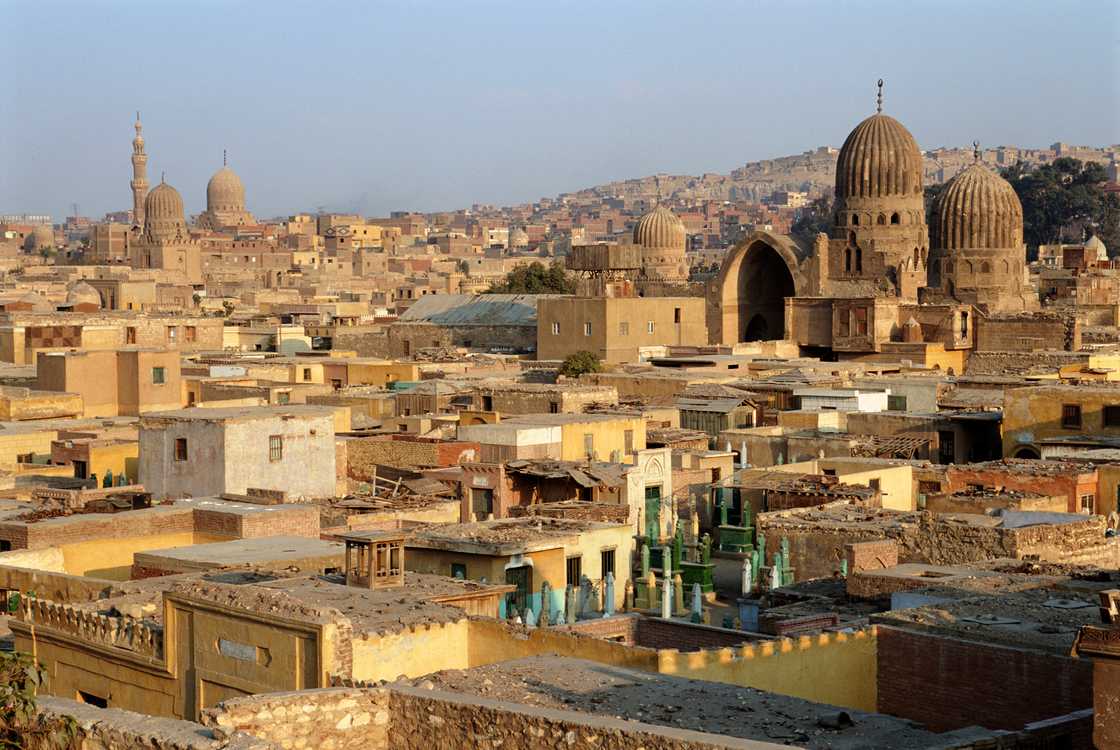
[[608, 596], [666, 584]]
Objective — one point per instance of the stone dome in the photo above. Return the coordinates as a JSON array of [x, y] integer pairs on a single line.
[[1094, 243], [518, 237], [163, 213], [978, 209], [660, 228], [39, 238], [82, 293], [36, 301], [225, 192], [879, 159]]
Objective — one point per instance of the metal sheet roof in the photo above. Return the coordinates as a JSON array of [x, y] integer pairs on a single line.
[[475, 309]]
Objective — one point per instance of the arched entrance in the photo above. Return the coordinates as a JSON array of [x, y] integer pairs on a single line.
[[764, 281], [1027, 452], [749, 299]]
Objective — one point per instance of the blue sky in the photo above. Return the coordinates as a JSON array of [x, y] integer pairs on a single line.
[[427, 105]]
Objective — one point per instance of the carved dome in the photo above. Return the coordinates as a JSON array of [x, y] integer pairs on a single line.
[[879, 159], [39, 238], [82, 293], [1094, 244], [978, 209], [660, 228], [225, 192], [163, 214], [518, 237]]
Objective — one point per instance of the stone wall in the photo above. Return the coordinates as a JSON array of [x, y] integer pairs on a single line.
[[1027, 333], [363, 455], [871, 555]]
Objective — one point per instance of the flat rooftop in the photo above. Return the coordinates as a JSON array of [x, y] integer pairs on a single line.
[[505, 536], [717, 708], [257, 551], [234, 413]]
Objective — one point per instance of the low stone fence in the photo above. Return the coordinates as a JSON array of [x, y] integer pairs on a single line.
[[122, 632]]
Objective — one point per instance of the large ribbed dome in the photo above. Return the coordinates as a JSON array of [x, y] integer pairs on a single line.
[[82, 293], [225, 192], [978, 210], [660, 228], [163, 213], [879, 159]]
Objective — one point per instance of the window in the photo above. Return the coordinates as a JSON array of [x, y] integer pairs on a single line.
[[896, 403], [275, 448], [624, 329], [555, 329], [964, 324], [628, 440], [859, 259], [894, 218], [191, 333], [172, 334], [130, 335], [459, 570], [159, 376], [606, 562], [283, 397], [848, 260], [92, 700], [482, 502], [1071, 416], [676, 315], [553, 407], [180, 449], [861, 321], [1088, 504], [587, 329], [589, 444], [1112, 416], [845, 321], [649, 327], [575, 570], [855, 220], [307, 373]]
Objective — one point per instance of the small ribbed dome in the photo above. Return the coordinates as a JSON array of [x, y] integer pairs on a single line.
[[225, 192], [39, 238], [879, 159], [978, 210], [1094, 243], [82, 293], [163, 214], [660, 228]]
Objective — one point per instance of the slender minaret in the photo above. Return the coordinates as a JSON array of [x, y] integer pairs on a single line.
[[139, 175]]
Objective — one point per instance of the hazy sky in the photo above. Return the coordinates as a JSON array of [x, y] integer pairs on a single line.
[[373, 107]]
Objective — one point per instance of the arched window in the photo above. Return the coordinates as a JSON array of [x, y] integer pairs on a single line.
[[848, 260], [859, 259], [855, 220], [894, 218], [917, 259], [947, 267], [985, 267], [882, 220]]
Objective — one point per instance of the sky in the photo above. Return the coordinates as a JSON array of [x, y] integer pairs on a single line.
[[428, 105]]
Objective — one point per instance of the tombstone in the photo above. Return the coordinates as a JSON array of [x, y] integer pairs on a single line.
[[645, 559], [746, 578], [91, 483], [706, 549], [678, 594], [697, 604], [776, 572], [546, 604], [584, 596], [743, 455], [514, 615], [694, 525], [570, 604], [608, 596], [530, 618], [666, 595], [122, 479], [628, 596], [844, 568], [108, 481]]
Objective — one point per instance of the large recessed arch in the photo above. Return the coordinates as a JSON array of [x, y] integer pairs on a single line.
[[754, 281]]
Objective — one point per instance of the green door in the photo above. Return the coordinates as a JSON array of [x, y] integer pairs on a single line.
[[653, 512]]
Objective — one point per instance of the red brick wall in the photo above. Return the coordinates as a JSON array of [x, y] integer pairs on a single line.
[[946, 683], [653, 632], [871, 555]]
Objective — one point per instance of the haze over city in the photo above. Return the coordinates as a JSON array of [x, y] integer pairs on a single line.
[[435, 106]]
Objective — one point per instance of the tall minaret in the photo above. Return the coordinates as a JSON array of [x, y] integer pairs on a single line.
[[139, 175]]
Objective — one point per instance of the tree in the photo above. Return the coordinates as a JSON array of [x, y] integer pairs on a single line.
[[577, 364], [21, 724], [1063, 199], [813, 220], [535, 278]]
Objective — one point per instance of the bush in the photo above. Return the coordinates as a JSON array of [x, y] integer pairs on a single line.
[[577, 364]]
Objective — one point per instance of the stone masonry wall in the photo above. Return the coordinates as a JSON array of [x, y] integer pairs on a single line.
[[325, 719]]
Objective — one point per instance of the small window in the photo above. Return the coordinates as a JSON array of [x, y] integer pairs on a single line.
[[191, 333], [606, 562], [676, 315], [1071, 416], [307, 373], [159, 376], [855, 220], [894, 218], [275, 448], [845, 323], [589, 444], [624, 329], [964, 324], [628, 440], [861, 321], [180, 449], [1112, 416], [459, 570], [649, 327], [553, 407], [92, 700], [130, 335], [555, 329], [283, 397], [172, 334], [587, 329], [575, 570], [1088, 504]]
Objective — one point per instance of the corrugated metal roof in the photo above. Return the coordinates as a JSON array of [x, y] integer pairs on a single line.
[[476, 309]]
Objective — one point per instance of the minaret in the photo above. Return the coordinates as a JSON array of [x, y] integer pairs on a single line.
[[139, 175]]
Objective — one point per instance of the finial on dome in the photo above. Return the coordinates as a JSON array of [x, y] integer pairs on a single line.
[[162, 177], [137, 124], [879, 99], [976, 150], [224, 158]]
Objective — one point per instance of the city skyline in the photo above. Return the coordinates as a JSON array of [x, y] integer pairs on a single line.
[[483, 131]]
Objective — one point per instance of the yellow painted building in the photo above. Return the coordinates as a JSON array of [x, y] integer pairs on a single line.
[[1034, 414], [600, 435], [894, 480]]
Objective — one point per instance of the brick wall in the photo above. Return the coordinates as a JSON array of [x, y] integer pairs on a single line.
[[871, 555], [946, 683], [657, 633]]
